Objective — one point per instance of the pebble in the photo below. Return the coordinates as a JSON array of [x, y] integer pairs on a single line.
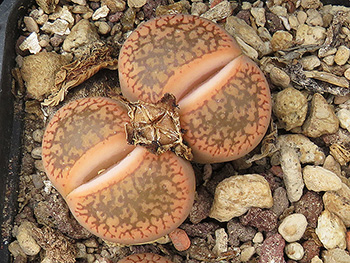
[[279, 10], [316, 259], [311, 206], [294, 251], [103, 28], [310, 35], [235, 195], [292, 175], [180, 239], [301, 16], [136, 3], [281, 40], [246, 254], [310, 4], [314, 18], [347, 74], [247, 50], [272, 249], [328, 77], [25, 239], [79, 2], [115, 5], [219, 11], [48, 6], [290, 107], [15, 249], [37, 181], [259, 14], [293, 21], [31, 43], [327, 52], [36, 153], [279, 77], [293, 227], [338, 202], [198, 8], [221, 240], [322, 119], [30, 24], [280, 201], [38, 71], [317, 178], [342, 55], [344, 118], [101, 12], [308, 151], [258, 238], [81, 34], [329, 60], [335, 255], [332, 165], [59, 27], [331, 230], [263, 220], [310, 62], [238, 27], [311, 250], [237, 232]]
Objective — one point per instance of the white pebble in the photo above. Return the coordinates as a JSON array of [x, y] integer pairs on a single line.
[[100, 12], [342, 55], [344, 118], [31, 43], [331, 230], [317, 178], [294, 251], [293, 227]]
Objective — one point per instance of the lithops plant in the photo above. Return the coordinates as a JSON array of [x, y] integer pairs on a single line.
[[223, 97], [145, 258], [180, 72]]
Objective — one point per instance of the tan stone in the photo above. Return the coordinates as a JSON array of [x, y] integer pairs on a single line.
[[317, 178], [235, 195]]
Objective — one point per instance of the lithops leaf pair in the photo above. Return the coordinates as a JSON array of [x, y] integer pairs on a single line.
[[223, 97], [124, 193]]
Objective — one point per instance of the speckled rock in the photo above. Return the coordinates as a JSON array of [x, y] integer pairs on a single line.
[[311, 250], [200, 230], [290, 107], [336, 255], [317, 178], [342, 55], [310, 35], [310, 62], [308, 151], [238, 27], [311, 206], [292, 175], [263, 220], [25, 239], [239, 233], [331, 230], [272, 250], [235, 195], [81, 34], [338, 202], [200, 250], [280, 201], [344, 118], [279, 77], [322, 119], [293, 227], [201, 206], [38, 72], [294, 251], [281, 40]]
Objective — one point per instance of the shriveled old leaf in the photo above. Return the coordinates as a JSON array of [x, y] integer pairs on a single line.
[[75, 73], [156, 126]]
